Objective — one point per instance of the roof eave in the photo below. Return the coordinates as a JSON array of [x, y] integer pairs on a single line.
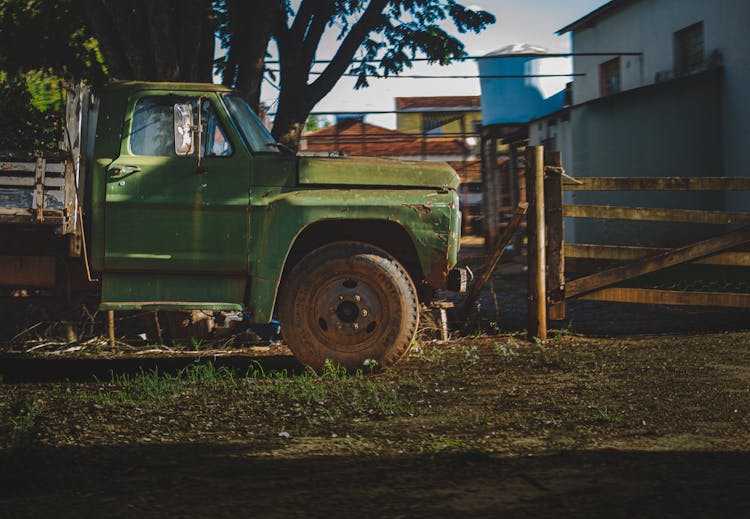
[[591, 18]]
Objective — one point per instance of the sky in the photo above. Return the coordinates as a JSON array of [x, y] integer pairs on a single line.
[[518, 21]]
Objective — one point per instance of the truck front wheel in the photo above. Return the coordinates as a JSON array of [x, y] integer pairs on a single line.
[[351, 303]]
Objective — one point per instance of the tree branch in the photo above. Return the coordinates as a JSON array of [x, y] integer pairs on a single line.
[[305, 13], [250, 26], [345, 53], [314, 34], [202, 61]]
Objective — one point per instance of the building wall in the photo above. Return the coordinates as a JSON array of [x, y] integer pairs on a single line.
[[412, 123], [648, 26], [670, 129], [555, 133]]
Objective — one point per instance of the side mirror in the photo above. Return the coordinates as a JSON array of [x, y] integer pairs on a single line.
[[183, 129]]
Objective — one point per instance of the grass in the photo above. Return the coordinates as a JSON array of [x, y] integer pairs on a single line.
[[605, 416], [21, 423], [428, 352], [526, 423], [507, 349], [333, 393], [151, 385], [472, 400], [330, 395], [566, 331], [197, 344]]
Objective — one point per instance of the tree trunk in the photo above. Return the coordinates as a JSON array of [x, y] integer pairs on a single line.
[[170, 40], [289, 124], [294, 99], [297, 47], [250, 24]]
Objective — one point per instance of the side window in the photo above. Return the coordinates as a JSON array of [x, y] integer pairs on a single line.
[[216, 142], [152, 129]]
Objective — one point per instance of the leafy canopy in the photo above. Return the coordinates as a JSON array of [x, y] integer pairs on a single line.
[[407, 29]]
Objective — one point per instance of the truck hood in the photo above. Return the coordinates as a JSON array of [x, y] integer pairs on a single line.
[[366, 171]]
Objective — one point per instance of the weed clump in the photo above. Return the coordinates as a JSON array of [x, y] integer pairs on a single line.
[[333, 393], [21, 423]]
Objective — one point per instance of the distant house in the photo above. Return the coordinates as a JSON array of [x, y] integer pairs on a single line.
[[439, 115], [358, 138], [671, 100]]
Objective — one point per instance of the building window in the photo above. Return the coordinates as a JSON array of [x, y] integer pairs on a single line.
[[609, 77], [688, 49]]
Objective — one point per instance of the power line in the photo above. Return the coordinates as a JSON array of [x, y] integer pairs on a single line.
[[385, 112], [501, 56], [454, 76], [277, 87]]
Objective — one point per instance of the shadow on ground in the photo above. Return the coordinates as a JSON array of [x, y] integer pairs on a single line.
[[209, 481]]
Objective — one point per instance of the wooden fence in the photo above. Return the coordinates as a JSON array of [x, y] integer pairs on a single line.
[[547, 252]]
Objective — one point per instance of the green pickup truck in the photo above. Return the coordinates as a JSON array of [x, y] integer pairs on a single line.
[[176, 197]]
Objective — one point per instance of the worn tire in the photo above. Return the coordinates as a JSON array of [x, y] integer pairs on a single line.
[[348, 302]]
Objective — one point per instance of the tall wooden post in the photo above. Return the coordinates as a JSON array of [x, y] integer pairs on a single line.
[[111, 327], [514, 195], [553, 202], [537, 293], [490, 191]]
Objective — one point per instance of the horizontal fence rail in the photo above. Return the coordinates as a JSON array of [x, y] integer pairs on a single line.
[[647, 214], [657, 184], [630, 253]]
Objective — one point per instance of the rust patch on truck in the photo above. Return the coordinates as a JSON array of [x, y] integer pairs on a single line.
[[437, 277], [420, 208]]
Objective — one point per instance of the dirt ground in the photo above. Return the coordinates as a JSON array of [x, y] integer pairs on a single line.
[[626, 411]]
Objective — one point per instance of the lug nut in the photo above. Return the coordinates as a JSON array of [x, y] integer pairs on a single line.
[[341, 298], [339, 326], [364, 312], [357, 298], [355, 326]]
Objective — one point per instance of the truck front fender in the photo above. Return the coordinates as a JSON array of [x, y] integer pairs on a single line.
[[278, 218]]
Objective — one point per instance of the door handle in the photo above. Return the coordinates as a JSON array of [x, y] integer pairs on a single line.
[[124, 170]]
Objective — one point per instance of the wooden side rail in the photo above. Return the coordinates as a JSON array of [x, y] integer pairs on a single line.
[[657, 184]]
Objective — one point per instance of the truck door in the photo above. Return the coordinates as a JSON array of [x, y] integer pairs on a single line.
[[176, 227]]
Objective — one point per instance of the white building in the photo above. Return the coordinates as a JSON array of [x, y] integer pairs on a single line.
[[660, 90]]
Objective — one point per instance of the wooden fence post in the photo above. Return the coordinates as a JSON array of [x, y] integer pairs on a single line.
[[537, 293], [515, 195], [491, 192], [111, 327], [553, 202]]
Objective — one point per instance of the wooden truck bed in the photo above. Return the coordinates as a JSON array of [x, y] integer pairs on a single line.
[[38, 190]]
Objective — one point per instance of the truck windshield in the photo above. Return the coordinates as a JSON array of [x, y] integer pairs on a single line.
[[256, 136]]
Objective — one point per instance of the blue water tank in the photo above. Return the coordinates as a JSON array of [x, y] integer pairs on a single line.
[[517, 100]]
